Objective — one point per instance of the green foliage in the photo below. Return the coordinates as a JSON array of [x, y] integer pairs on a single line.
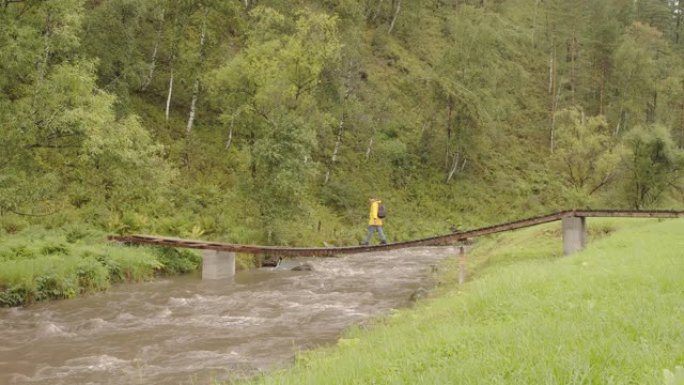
[[282, 72], [637, 72], [12, 224], [63, 136], [586, 155], [37, 265], [653, 165], [177, 261]]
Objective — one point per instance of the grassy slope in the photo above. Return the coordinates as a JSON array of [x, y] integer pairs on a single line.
[[609, 315], [38, 264]]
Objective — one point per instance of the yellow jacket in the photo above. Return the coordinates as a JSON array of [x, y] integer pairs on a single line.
[[373, 219]]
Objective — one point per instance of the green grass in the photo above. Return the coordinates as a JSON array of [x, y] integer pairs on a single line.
[[611, 314], [39, 264]]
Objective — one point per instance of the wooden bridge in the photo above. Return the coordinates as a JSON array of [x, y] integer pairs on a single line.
[[219, 258]]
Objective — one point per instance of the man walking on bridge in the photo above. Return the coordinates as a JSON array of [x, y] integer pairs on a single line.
[[375, 221]]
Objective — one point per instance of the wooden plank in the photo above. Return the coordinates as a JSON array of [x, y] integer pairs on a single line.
[[629, 213], [431, 241]]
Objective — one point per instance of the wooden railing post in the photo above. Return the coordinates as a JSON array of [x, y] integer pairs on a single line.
[[461, 265]]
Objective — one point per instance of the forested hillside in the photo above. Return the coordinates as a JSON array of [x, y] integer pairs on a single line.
[[272, 121]]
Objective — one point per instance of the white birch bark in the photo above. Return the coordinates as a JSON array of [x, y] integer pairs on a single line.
[[43, 64], [340, 127], [178, 28], [333, 159], [230, 139], [534, 22], [454, 166], [553, 120], [153, 61], [553, 97], [457, 167], [198, 75], [377, 11], [46, 49], [619, 122], [168, 97], [394, 18], [370, 145]]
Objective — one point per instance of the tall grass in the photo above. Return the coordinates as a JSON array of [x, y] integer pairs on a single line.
[[611, 314], [39, 264]]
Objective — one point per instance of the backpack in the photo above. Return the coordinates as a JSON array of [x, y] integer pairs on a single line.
[[382, 211]]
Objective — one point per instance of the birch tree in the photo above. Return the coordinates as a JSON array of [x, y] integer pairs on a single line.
[[586, 157], [274, 82], [198, 70], [64, 133], [159, 20]]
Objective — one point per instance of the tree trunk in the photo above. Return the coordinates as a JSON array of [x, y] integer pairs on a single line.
[[681, 126], [621, 121], [168, 97], [651, 108], [602, 89], [553, 97], [198, 75], [44, 61], [553, 120], [394, 18], [230, 138], [46, 48], [454, 167], [178, 26], [153, 62], [370, 144], [534, 23], [377, 11], [333, 159], [343, 118], [573, 66], [447, 152], [679, 13]]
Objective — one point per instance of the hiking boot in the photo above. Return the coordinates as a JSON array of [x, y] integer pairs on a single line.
[[383, 242]]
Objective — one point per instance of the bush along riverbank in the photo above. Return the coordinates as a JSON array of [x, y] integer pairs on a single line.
[[608, 315], [39, 264]]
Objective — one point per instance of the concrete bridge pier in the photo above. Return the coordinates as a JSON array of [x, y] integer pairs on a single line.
[[574, 234], [217, 264]]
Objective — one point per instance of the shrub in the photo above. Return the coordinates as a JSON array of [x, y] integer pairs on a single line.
[[54, 249], [13, 225], [175, 261]]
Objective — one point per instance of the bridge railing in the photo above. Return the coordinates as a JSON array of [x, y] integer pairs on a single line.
[[573, 223]]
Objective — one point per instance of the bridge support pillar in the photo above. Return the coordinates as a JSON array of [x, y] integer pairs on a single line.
[[574, 234], [217, 264]]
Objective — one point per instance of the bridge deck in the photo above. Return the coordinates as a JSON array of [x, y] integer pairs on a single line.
[[431, 241]]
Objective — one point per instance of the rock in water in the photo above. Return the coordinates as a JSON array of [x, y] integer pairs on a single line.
[[271, 262], [306, 266], [420, 293]]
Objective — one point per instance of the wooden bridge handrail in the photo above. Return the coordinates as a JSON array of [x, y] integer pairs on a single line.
[[431, 241]]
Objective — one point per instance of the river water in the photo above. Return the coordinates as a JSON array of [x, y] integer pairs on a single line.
[[183, 330]]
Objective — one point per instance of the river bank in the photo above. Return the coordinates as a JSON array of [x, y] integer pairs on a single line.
[[610, 314], [38, 264]]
